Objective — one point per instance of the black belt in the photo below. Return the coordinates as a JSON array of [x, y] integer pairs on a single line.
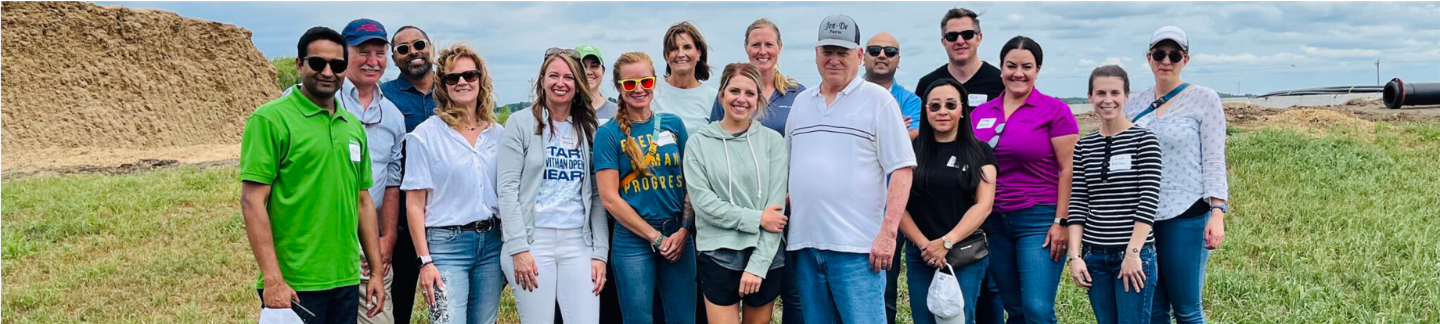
[[478, 226]]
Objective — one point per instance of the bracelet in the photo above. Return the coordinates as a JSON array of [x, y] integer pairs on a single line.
[[655, 246]]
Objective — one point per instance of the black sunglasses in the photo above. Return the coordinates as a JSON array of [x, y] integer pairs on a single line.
[[949, 105], [1159, 56], [404, 49], [967, 35], [890, 51], [318, 64], [453, 78]]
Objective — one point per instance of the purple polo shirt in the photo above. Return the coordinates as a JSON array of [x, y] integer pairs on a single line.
[[1029, 173]]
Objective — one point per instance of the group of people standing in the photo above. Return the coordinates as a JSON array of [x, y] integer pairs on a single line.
[[681, 203]]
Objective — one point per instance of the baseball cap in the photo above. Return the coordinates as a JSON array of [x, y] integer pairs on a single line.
[[839, 30], [363, 30], [587, 51], [1171, 33]]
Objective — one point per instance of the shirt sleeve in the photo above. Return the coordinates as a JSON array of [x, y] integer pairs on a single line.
[[709, 206], [717, 113], [1212, 146], [1079, 189], [366, 177], [509, 167], [912, 107], [261, 148], [393, 170], [891, 137], [1064, 122], [417, 165], [607, 149]]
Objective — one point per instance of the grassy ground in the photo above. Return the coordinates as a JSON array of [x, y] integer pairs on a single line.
[[1335, 229]]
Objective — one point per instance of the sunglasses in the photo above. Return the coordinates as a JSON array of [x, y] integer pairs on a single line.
[[556, 50], [633, 84], [995, 141], [404, 49], [453, 78], [875, 50], [966, 34], [949, 105], [1159, 56], [318, 64]]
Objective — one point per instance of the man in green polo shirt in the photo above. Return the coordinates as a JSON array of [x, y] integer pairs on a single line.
[[305, 171]]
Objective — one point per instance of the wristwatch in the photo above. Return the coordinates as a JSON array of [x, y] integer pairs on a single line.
[[948, 243], [1221, 208], [1061, 221], [425, 260]]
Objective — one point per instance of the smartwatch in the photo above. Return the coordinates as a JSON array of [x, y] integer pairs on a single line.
[[1221, 208], [425, 260]]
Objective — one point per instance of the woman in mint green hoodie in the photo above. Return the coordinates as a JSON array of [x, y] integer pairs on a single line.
[[736, 171]]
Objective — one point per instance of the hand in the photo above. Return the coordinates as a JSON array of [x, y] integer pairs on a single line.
[[387, 253], [773, 220], [1056, 240], [430, 281], [364, 266], [597, 275], [1215, 230], [527, 276], [1080, 273], [375, 297], [1131, 274], [908, 121], [749, 284], [934, 253], [278, 294], [672, 245], [882, 251]]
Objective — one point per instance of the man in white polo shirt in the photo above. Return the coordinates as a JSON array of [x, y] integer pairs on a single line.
[[845, 137]]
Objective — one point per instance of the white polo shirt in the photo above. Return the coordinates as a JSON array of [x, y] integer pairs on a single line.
[[839, 158], [460, 177]]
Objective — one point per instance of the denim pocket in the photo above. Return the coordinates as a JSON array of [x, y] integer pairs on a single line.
[[440, 235]]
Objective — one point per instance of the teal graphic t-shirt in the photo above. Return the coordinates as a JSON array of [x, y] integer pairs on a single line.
[[660, 194]]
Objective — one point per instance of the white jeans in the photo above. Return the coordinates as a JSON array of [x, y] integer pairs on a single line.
[[563, 261]]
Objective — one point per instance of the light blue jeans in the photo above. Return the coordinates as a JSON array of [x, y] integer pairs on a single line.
[[1181, 256], [640, 271], [839, 287], [1027, 276], [919, 274], [1108, 296], [469, 265]]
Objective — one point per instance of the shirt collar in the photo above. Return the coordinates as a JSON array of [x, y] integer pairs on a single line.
[[308, 108], [854, 84], [1032, 101]]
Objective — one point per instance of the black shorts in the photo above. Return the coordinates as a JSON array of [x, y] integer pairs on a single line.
[[721, 286]]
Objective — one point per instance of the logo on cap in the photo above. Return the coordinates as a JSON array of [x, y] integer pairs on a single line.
[[368, 28], [837, 28]]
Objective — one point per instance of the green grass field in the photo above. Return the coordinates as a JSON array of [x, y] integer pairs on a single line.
[[1336, 229]]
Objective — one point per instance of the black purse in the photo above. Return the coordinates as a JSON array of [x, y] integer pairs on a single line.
[[970, 250]]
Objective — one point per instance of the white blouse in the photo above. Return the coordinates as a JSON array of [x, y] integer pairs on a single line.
[[1192, 140], [461, 178]]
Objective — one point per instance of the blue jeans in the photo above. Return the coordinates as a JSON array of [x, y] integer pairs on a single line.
[[1180, 256], [1109, 297], [1028, 278], [469, 265], [639, 271], [839, 287], [919, 274], [989, 309]]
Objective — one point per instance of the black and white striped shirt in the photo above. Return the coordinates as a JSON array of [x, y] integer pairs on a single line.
[[1117, 183]]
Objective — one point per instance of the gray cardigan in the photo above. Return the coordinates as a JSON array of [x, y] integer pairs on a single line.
[[521, 164]]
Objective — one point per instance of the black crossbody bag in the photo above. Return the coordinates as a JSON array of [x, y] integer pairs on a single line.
[[969, 250]]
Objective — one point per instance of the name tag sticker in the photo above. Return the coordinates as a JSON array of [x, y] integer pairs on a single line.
[[1120, 162], [354, 151], [978, 98], [986, 123], [666, 138], [568, 140]]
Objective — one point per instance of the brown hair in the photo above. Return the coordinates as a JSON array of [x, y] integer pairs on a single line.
[[782, 83], [580, 112], [1108, 71], [622, 112], [958, 13], [445, 107], [702, 69], [749, 71]]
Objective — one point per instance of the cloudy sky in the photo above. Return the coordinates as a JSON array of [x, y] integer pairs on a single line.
[[1237, 47]]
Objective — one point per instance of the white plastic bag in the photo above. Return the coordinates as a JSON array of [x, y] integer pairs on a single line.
[[945, 299], [279, 316]]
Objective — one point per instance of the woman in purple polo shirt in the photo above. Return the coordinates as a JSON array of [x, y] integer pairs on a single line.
[[1034, 137]]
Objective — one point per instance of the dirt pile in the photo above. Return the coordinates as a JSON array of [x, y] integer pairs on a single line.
[[80, 76]]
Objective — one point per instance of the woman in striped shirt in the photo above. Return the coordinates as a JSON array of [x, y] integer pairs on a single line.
[[1112, 206]]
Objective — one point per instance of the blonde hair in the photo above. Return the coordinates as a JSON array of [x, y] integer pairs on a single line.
[[580, 112], [622, 112], [445, 107], [782, 83], [748, 71]]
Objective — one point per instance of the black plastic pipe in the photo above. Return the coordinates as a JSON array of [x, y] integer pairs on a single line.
[[1399, 93]]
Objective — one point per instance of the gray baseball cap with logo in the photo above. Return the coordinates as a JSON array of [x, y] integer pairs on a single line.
[[839, 30]]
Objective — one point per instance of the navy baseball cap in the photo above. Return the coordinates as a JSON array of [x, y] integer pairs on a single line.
[[363, 30]]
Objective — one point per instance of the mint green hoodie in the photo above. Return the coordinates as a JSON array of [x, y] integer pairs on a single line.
[[731, 180]]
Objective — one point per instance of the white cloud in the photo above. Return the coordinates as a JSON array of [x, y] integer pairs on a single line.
[[1246, 58], [1339, 53]]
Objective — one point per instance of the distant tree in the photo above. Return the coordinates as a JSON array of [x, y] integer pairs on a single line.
[[285, 70]]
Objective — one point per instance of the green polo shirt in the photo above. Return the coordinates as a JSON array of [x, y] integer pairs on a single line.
[[316, 165]]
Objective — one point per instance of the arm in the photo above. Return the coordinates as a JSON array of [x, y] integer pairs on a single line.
[[1056, 237], [510, 168], [711, 207], [390, 204], [777, 184], [609, 182], [1079, 210], [370, 243], [1212, 165], [253, 198], [912, 231], [976, 215], [262, 147]]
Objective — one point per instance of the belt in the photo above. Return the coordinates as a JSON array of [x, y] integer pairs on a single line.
[[478, 226]]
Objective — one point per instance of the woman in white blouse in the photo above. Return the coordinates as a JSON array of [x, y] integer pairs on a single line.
[[1189, 121], [450, 193]]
